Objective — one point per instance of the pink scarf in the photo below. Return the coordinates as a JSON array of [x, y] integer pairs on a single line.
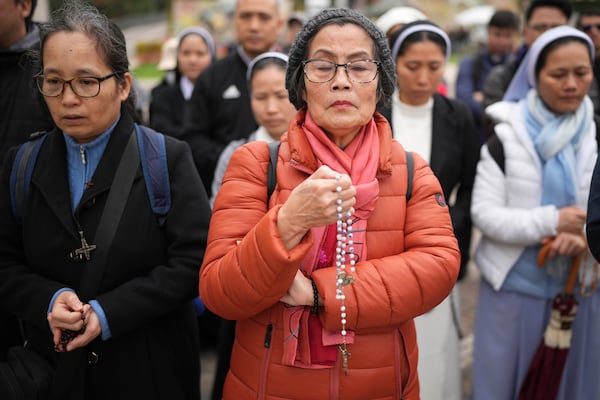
[[309, 345]]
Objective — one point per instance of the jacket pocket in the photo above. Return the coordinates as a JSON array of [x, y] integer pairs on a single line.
[[404, 371]]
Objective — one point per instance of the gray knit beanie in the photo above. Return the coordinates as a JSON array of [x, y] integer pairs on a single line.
[[294, 79]]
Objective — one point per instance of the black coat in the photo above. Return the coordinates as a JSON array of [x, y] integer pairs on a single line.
[[22, 108], [167, 106], [148, 284], [454, 156], [218, 112]]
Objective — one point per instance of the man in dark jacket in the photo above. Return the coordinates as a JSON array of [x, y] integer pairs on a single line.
[[22, 109], [219, 109]]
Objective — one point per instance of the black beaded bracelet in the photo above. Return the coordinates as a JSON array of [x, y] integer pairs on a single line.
[[315, 307]]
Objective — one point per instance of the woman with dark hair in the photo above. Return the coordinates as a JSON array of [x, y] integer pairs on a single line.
[[325, 279], [531, 189], [195, 50], [442, 131], [108, 304]]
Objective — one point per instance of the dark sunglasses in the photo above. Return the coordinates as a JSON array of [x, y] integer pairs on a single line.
[[588, 27]]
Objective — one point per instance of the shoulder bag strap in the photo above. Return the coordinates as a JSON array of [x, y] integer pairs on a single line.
[[410, 166], [117, 197], [21, 173], [272, 170]]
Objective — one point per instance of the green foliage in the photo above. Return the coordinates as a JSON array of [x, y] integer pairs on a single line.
[[148, 71], [148, 47]]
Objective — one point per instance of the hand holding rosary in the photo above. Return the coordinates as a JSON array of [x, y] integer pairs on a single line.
[[67, 335]]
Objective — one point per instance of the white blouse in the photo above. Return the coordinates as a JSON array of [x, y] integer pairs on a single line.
[[412, 126]]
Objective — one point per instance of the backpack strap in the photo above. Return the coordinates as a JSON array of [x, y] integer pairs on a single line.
[[597, 123], [410, 166], [153, 157], [21, 172], [496, 150], [272, 170]]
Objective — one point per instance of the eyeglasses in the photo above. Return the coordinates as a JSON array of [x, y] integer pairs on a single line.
[[359, 71], [82, 86], [587, 28]]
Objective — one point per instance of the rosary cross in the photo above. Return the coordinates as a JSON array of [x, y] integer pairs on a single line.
[[345, 355], [345, 279], [85, 249]]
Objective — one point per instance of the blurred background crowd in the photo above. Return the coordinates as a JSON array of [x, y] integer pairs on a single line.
[[185, 55]]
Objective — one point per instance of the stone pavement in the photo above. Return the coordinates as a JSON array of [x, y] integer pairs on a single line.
[[469, 287]]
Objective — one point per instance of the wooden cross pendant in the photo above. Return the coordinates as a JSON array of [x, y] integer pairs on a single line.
[[84, 251]]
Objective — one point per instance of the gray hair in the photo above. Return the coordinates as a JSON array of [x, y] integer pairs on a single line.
[[76, 16], [294, 80]]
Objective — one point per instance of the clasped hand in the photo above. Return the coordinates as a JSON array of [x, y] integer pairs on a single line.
[[313, 203], [567, 244], [70, 314], [569, 240], [571, 219], [300, 292]]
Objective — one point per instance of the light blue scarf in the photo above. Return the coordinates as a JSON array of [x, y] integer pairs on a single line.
[[556, 139]]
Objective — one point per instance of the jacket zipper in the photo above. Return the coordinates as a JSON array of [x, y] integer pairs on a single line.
[[82, 153], [265, 362], [268, 336]]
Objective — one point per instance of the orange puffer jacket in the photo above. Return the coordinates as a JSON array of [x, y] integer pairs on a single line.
[[413, 261]]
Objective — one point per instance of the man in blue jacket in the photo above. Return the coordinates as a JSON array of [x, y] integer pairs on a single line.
[[473, 71]]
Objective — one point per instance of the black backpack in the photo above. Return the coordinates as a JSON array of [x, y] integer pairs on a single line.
[[496, 148]]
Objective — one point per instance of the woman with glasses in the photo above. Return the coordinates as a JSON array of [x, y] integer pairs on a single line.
[[442, 131], [132, 332], [326, 278]]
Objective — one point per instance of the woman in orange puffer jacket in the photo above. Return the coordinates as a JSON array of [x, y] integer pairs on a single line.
[[325, 280]]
